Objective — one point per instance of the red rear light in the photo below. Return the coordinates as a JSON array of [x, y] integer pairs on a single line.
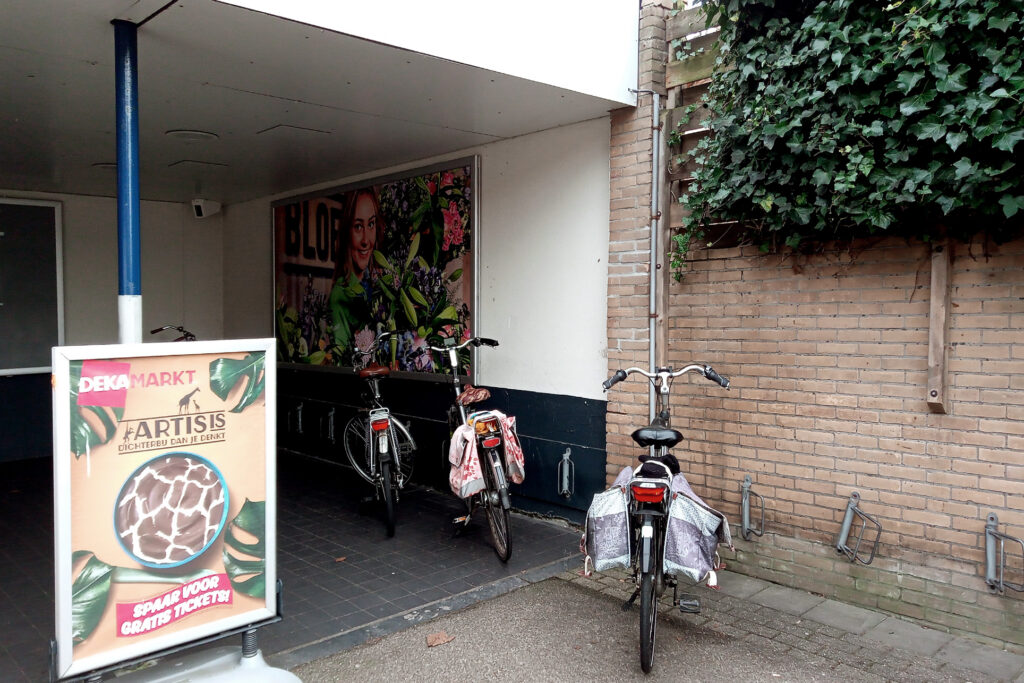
[[648, 494], [379, 425], [491, 442]]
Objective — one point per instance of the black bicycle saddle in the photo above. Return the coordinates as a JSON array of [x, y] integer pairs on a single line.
[[653, 435]]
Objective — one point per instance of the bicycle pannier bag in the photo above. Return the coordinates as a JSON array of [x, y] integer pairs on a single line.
[[606, 538], [692, 535]]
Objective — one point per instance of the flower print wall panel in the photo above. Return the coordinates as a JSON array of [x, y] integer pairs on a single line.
[[393, 254]]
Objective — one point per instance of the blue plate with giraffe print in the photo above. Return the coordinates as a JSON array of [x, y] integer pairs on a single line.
[[171, 509]]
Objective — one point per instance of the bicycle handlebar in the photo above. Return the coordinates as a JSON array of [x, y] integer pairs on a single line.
[[475, 341], [705, 370], [185, 334]]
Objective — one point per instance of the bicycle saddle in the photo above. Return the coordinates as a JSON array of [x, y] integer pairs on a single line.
[[374, 370], [653, 435]]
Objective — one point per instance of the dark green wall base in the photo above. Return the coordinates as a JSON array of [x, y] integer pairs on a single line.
[[313, 407]]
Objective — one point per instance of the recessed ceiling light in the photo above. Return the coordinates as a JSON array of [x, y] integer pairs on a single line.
[[191, 135]]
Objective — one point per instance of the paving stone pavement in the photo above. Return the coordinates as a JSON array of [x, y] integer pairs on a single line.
[[859, 644]]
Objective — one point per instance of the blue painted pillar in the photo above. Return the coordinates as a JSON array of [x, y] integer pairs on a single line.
[[129, 299]]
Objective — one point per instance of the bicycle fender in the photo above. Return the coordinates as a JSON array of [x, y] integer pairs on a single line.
[[646, 547]]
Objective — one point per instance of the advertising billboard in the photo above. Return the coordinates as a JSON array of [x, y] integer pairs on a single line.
[[164, 507], [390, 254]]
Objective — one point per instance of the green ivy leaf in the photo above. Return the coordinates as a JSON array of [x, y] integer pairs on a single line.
[[226, 373], [1008, 141], [964, 168], [954, 139]]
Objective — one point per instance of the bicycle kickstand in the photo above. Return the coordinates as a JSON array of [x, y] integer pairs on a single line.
[[628, 605]]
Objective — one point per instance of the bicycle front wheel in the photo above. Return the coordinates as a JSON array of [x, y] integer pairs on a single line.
[[648, 621], [389, 498], [356, 443]]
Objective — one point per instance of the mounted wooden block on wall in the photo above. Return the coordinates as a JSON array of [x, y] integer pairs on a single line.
[[938, 328]]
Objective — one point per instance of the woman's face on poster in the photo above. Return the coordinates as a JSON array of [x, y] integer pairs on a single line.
[[363, 234]]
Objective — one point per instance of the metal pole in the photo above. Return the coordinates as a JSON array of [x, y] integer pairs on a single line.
[[653, 307], [129, 299]]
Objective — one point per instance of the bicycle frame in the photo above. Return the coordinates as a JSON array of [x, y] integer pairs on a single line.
[[490, 449], [650, 493]]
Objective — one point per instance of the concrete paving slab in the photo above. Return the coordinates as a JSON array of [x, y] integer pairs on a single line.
[[903, 634], [845, 617], [740, 586], [961, 652], [788, 600]]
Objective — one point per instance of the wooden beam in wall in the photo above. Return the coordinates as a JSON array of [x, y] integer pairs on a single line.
[[938, 328]]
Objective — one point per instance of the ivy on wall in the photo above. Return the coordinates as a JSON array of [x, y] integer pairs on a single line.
[[835, 119]]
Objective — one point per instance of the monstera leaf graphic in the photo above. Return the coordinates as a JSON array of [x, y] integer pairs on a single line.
[[225, 373], [247, 576], [89, 595], [83, 435]]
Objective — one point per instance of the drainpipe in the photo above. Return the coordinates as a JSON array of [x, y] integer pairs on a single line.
[[652, 311], [129, 299]]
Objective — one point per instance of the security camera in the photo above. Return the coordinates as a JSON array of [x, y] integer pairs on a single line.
[[202, 208]]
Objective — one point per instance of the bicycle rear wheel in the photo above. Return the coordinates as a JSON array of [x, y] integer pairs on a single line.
[[389, 498], [648, 621], [497, 510], [354, 439], [404, 449]]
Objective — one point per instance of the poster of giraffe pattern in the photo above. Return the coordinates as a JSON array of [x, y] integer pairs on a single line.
[[165, 534]]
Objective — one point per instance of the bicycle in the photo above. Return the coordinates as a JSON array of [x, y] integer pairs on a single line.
[[490, 440], [649, 491], [378, 445]]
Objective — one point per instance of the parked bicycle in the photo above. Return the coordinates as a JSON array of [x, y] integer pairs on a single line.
[[491, 443], [650, 494], [378, 445]]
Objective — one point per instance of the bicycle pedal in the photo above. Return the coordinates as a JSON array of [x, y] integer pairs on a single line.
[[689, 604]]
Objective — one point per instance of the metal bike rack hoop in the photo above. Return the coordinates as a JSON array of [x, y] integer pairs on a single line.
[[746, 530], [995, 570], [566, 475], [852, 512]]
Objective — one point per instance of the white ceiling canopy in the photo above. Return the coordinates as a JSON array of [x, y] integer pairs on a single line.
[[261, 105]]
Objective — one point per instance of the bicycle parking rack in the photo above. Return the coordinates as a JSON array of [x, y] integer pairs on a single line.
[[566, 475], [746, 530], [295, 419], [995, 571], [853, 512], [328, 421]]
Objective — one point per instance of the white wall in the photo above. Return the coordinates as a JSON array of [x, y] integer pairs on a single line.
[[544, 212], [591, 47], [182, 280]]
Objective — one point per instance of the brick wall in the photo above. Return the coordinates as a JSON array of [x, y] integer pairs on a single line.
[[828, 356]]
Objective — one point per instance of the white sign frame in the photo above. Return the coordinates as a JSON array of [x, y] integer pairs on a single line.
[[62, 357]]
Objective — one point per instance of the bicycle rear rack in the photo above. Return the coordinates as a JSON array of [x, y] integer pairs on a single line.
[[852, 512], [994, 573], [746, 530]]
